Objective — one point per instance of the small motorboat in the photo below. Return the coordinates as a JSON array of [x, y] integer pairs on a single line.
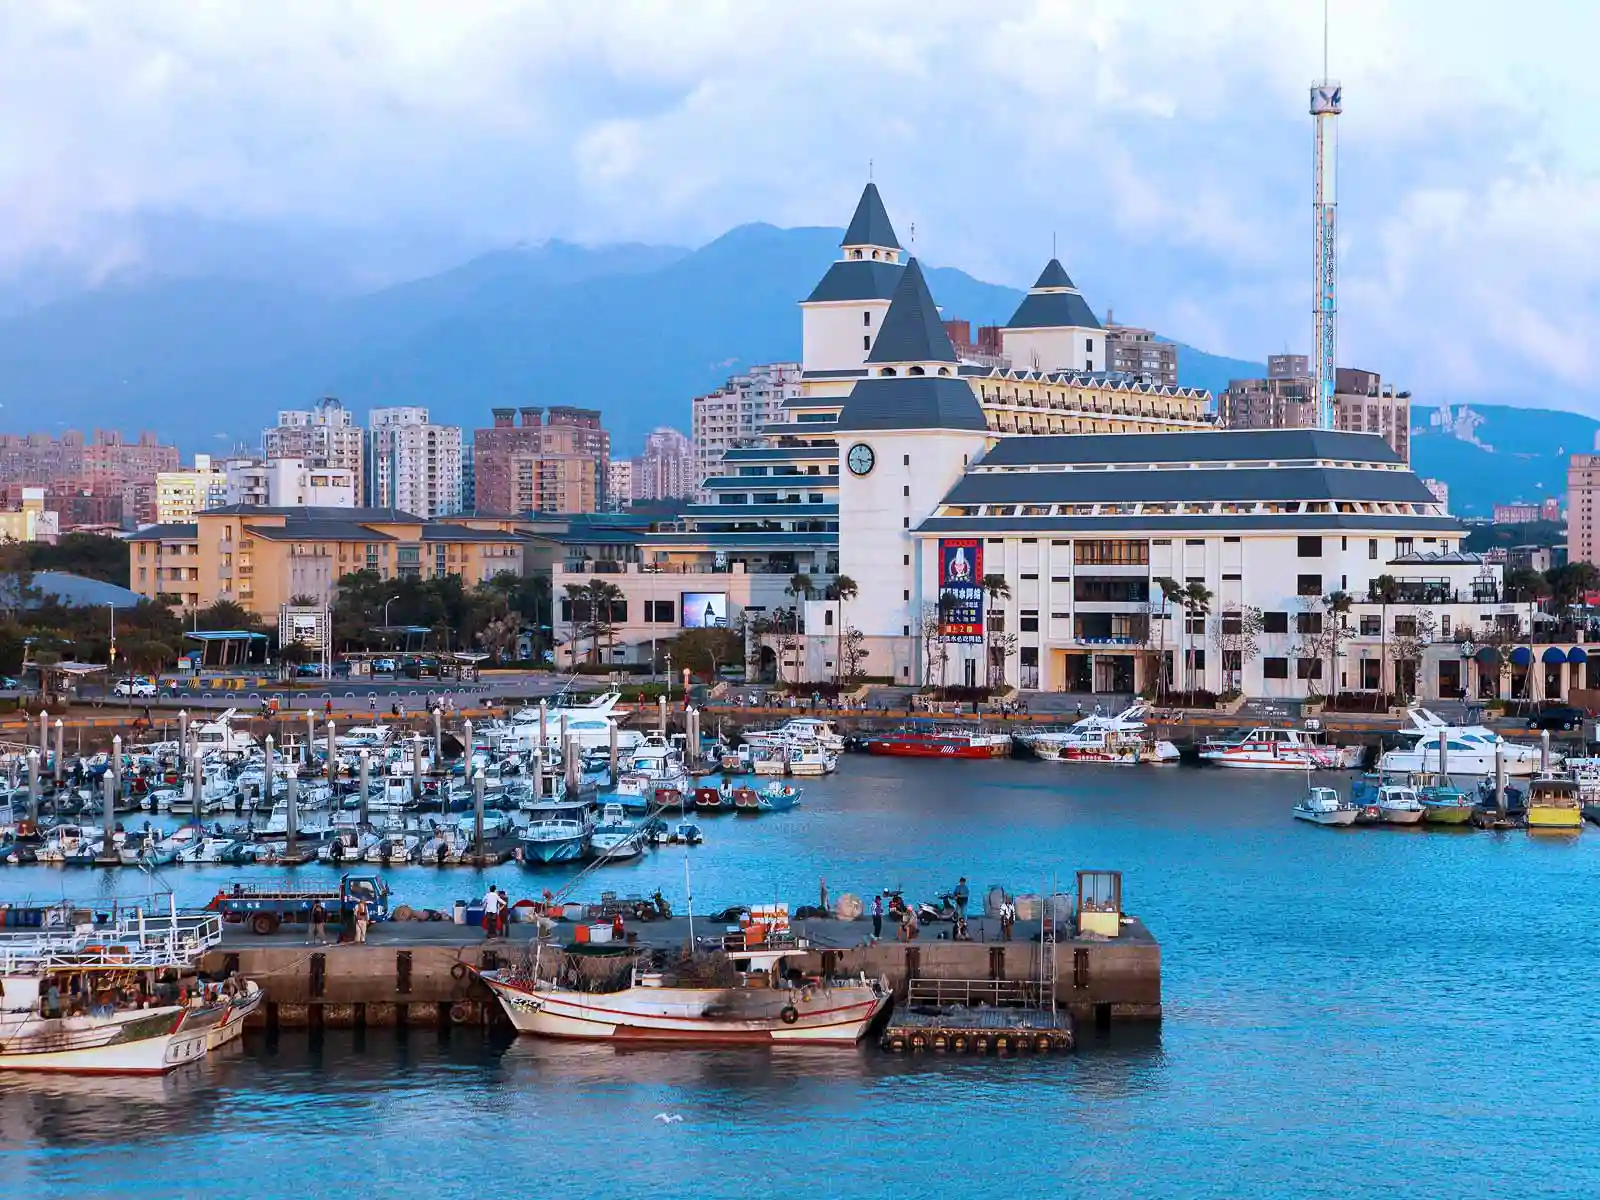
[[1445, 805], [778, 797], [683, 833], [1322, 806], [1554, 804], [1398, 805]]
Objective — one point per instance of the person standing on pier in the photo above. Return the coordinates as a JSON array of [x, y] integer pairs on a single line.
[[877, 917], [319, 923], [363, 916], [962, 895], [491, 913], [1008, 919]]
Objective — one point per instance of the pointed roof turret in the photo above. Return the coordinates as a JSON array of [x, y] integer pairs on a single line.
[[1054, 302], [870, 226], [911, 330]]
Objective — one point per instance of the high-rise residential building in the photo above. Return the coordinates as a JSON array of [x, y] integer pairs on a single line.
[[558, 464], [734, 415], [287, 483], [413, 465], [324, 435], [469, 477], [1440, 490], [103, 461], [181, 494], [1285, 399], [1583, 508], [1137, 352], [666, 469], [1363, 403], [1519, 512], [619, 483]]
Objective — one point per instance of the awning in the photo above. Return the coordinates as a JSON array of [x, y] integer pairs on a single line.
[[1488, 656], [1577, 655], [1553, 654], [1521, 656]]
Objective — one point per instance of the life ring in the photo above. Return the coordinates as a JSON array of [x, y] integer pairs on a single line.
[[460, 1014], [458, 971], [790, 1014]]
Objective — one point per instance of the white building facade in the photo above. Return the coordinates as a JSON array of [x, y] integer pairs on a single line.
[[288, 483], [666, 469], [413, 465], [325, 435]]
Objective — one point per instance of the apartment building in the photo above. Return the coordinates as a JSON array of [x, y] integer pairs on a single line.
[[181, 494], [413, 464], [286, 482], [667, 468], [736, 414], [555, 460], [1137, 352], [325, 435]]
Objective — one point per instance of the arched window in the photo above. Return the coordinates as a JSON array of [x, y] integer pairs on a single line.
[[915, 371], [944, 370], [874, 254], [886, 371], [855, 254]]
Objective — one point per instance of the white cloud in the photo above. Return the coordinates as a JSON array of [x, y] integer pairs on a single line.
[[1165, 144]]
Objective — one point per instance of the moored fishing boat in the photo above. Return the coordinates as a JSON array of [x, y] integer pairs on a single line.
[[1322, 806], [1124, 739], [744, 990], [1554, 804], [1445, 804]]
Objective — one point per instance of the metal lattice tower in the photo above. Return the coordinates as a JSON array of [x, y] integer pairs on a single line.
[[1327, 101]]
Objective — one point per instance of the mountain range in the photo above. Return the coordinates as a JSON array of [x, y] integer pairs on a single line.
[[634, 330], [208, 353]]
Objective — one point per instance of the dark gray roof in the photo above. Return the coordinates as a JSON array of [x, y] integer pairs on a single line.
[[1053, 310], [73, 591], [912, 402], [764, 538], [314, 512], [1201, 484], [171, 531], [741, 483], [443, 531], [319, 530], [736, 512], [846, 373], [1267, 522], [870, 226], [1229, 445], [858, 279], [911, 330], [1054, 275], [767, 454]]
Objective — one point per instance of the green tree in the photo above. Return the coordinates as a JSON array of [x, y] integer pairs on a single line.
[[844, 590], [1336, 617], [800, 586], [1172, 594], [1384, 590], [1196, 604], [705, 651]]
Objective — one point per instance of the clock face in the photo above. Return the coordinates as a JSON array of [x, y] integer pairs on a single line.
[[860, 458]]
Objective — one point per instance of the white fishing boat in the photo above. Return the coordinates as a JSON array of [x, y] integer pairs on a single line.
[[1398, 805], [812, 761], [95, 999], [739, 992], [363, 737], [1322, 806], [1468, 750], [1123, 740], [219, 737], [395, 848], [801, 731], [654, 765], [213, 849], [1265, 748]]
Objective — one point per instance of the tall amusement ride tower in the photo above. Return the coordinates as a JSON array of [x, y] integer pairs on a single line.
[[1327, 101]]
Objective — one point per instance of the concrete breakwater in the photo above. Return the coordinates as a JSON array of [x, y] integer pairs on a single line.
[[425, 976]]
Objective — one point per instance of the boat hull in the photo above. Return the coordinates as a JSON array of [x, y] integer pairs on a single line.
[[542, 853], [1399, 816], [838, 1016], [149, 1043], [935, 748], [1546, 817], [1447, 814], [1336, 819]]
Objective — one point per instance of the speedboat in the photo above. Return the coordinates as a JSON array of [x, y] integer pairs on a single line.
[[615, 837], [1265, 748], [1554, 804], [1322, 806], [1123, 739], [554, 839], [1445, 804], [1468, 749], [802, 731], [217, 850], [1398, 805], [394, 848]]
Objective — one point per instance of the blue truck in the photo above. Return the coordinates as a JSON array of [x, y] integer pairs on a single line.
[[264, 907]]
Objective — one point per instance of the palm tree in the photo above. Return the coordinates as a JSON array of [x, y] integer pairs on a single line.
[[844, 590], [800, 586], [995, 588], [603, 597], [1171, 593], [1196, 603], [1335, 606], [1386, 591], [578, 602]]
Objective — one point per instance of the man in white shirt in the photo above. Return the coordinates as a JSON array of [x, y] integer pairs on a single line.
[[491, 914]]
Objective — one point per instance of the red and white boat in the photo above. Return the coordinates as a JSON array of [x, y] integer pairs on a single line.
[[1268, 749], [743, 992], [924, 740], [1122, 740]]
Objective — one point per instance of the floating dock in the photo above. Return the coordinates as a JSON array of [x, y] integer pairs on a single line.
[[977, 1016]]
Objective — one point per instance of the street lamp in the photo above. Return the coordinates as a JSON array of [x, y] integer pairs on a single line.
[[669, 677], [112, 657]]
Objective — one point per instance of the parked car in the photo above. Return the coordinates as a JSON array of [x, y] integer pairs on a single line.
[[384, 666], [143, 689], [1558, 716], [8, 684], [309, 670]]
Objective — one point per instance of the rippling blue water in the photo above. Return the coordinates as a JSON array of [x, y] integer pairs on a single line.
[[1348, 1012]]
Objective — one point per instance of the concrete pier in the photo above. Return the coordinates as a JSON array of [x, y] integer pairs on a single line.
[[421, 973]]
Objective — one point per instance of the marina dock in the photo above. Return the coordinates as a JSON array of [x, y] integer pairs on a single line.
[[423, 973]]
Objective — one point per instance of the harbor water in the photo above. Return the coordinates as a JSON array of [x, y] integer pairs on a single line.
[[1374, 1010]]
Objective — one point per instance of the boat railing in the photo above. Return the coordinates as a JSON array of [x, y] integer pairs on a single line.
[[972, 993], [134, 941]]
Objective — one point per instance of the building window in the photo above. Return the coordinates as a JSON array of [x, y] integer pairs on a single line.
[[905, 560], [1310, 547], [905, 522], [1112, 553], [827, 617], [866, 318], [1308, 668], [1308, 585], [1274, 622], [905, 460], [1444, 620], [866, 342], [1274, 668], [1371, 625], [906, 491], [1372, 548], [1308, 622], [1029, 622]]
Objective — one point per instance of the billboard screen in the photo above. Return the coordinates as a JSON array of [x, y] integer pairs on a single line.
[[704, 610], [961, 589]]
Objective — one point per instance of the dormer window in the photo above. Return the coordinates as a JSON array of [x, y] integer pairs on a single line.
[[874, 255], [915, 371], [855, 254], [886, 371]]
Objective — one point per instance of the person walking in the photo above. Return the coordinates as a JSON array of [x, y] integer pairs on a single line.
[[1008, 919], [327, 707], [962, 895], [491, 913], [363, 919], [877, 917], [372, 703], [319, 923]]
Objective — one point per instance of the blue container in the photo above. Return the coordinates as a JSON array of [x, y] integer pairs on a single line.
[[475, 915]]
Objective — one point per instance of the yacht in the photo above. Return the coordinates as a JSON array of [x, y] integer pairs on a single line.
[[1122, 739], [1468, 749], [805, 731], [220, 737], [1268, 749], [363, 737]]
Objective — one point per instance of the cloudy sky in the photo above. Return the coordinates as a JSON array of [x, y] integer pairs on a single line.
[[1163, 143]]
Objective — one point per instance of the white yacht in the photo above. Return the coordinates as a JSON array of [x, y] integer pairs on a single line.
[[1322, 806], [1122, 739], [220, 737], [1468, 750], [1268, 749], [803, 731]]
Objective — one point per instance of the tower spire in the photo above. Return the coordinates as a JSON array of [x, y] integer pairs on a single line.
[[1327, 101]]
